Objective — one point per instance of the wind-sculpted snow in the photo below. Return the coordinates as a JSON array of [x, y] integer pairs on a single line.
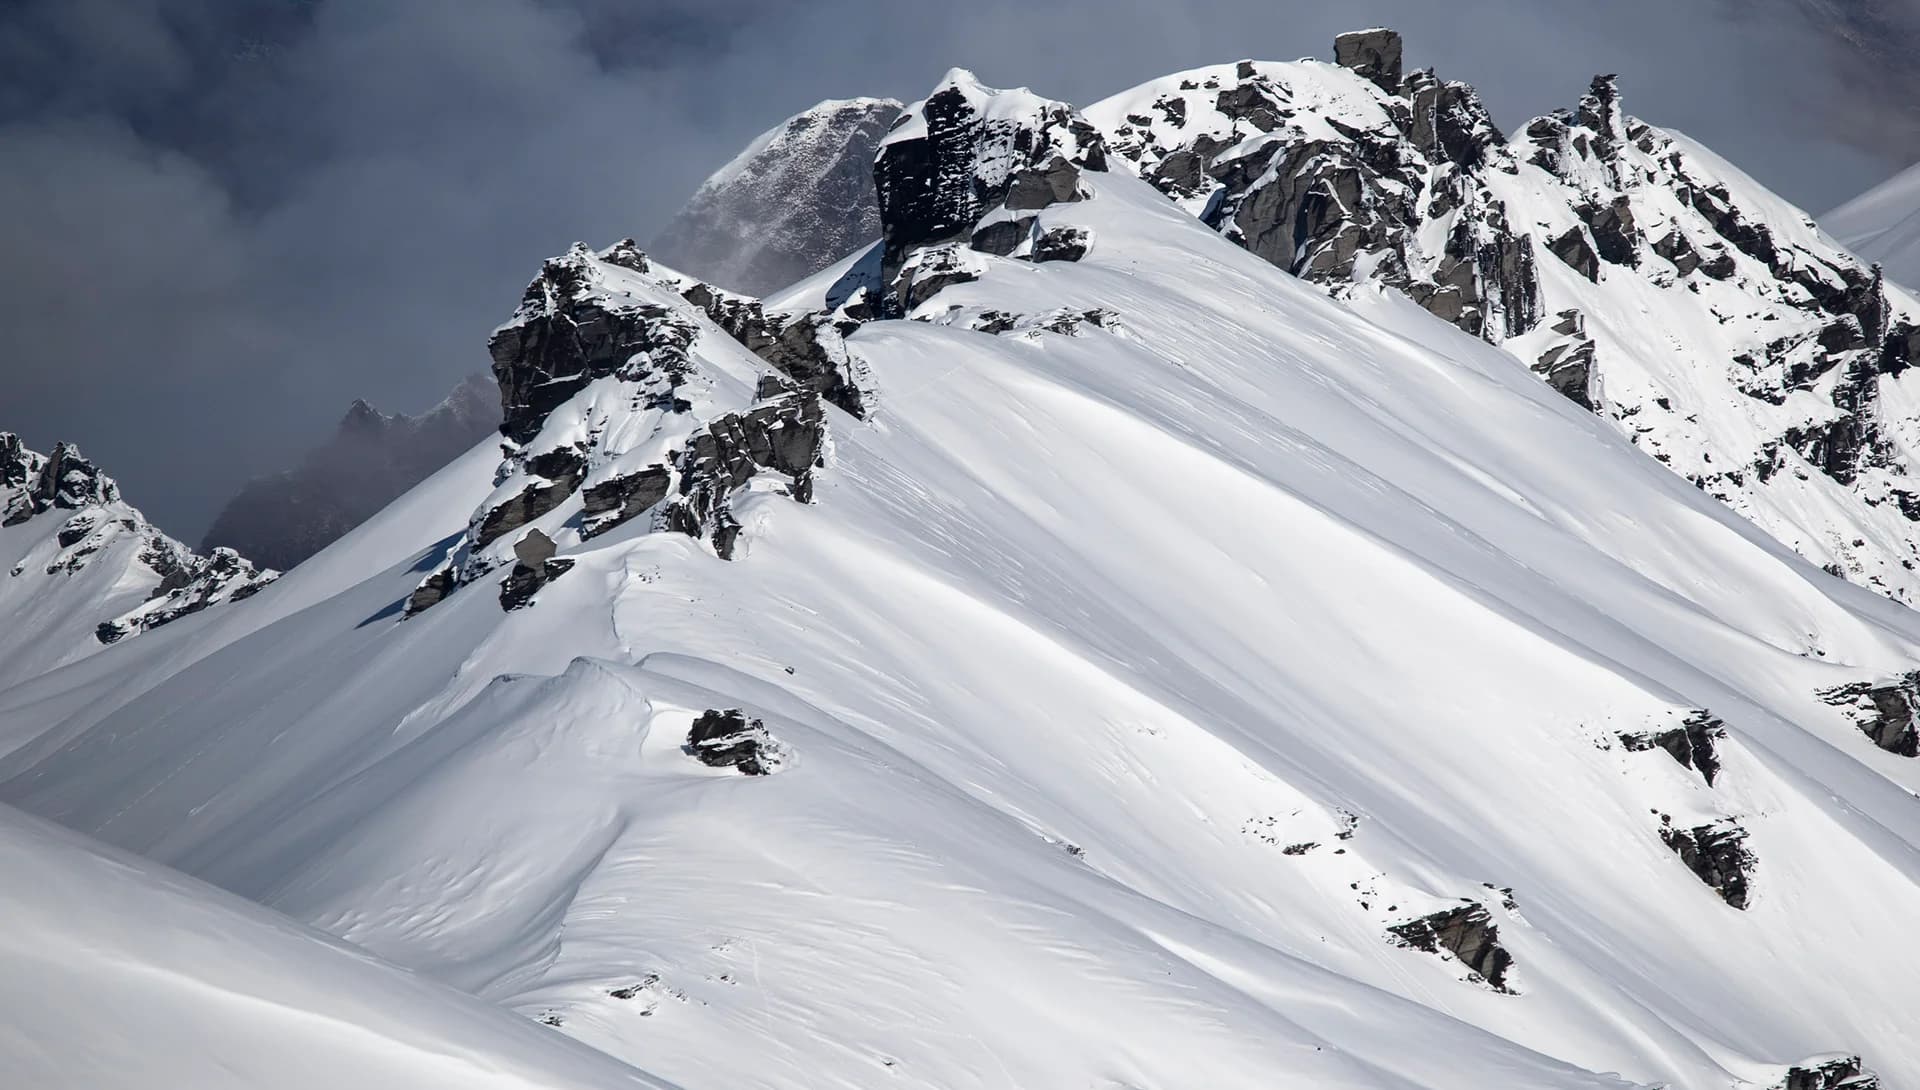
[[1636, 272], [1883, 225], [122, 975], [1177, 678]]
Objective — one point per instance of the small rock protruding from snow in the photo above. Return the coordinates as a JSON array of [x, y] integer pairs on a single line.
[[1884, 712], [728, 739], [1829, 1073], [1692, 743], [1716, 854], [1468, 933]]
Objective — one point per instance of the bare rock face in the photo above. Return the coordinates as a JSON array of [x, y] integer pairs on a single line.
[[373, 457], [795, 201], [1884, 712], [728, 739], [1692, 743], [968, 151], [1374, 54], [534, 567], [1467, 932], [1716, 854]]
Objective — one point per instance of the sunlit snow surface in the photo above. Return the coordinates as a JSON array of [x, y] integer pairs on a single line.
[[1081, 634], [1883, 224]]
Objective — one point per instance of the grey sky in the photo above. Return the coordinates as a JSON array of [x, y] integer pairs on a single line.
[[228, 218]]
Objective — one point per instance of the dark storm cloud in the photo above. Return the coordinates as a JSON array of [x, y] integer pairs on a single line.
[[225, 220]]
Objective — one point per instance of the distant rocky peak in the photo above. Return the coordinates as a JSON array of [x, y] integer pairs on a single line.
[[35, 483], [87, 523], [967, 149]]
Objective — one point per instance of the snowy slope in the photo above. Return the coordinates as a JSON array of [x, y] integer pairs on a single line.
[[1637, 272], [116, 973], [81, 568], [1883, 225], [795, 199], [1163, 636]]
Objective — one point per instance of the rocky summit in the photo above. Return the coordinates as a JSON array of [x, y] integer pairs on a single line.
[[1641, 276]]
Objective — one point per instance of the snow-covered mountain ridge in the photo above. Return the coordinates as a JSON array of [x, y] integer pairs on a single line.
[[80, 567], [1055, 647], [1638, 273]]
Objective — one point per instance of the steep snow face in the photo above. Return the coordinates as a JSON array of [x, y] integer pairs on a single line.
[[122, 974], [81, 568], [1176, 678], [284, 518], [796, 200], [1883, 225], [1635, 271]]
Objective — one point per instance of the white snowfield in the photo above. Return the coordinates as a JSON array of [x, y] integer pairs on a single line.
[[115, 971], [1883, 225], [1133, 682]]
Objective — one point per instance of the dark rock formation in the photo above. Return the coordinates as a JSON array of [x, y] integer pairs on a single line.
[[1883, 712], [1467, 932], [800, 198], [1375, 54], [618, 499], [432, 590], [1691, 743], [1716, 854], [728, 739], [971, 150], [1567, 363], [569, 332], [35, 484], [810, 349], [1832, 1074], [1062, 244], [372, 458], [785, 433], [559, 474], [534, 567]]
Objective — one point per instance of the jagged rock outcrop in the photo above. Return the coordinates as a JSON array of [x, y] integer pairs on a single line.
[[1468, 933], [1716, 854], [1884, 712], [617, 409], [728, 739], [795, 201], [90, 523], [1257, 153], [281, 519], [1692, 743], [1356, 173], [968, 166], [1835, 1073]]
